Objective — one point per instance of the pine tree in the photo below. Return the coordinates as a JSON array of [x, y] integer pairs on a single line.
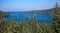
[[55, 19], [3, 26], [12, 26], [34, 23], [22, 27]]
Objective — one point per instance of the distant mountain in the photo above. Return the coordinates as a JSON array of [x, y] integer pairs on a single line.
[[47, 12]]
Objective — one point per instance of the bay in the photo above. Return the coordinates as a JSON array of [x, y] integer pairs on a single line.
[[22, 16]]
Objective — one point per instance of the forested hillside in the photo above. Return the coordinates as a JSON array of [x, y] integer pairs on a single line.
[[3, 14]]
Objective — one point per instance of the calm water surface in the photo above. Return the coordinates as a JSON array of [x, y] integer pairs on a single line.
[[22, 16]]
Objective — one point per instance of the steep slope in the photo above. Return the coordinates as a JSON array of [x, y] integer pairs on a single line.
[[3, 14]]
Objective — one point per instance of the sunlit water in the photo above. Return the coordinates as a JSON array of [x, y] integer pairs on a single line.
[[22, 16]]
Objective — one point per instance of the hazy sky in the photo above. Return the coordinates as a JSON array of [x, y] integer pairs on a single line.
[[26, 5]]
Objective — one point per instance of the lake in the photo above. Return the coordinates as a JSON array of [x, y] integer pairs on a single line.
[[22, 16]]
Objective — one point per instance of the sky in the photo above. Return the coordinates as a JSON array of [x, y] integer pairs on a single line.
[[26, 5]]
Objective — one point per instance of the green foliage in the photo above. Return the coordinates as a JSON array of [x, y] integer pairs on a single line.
[[25, 27], [3, 26], [56, 19]]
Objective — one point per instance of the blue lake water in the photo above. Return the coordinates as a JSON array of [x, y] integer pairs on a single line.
[[22, 16]]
